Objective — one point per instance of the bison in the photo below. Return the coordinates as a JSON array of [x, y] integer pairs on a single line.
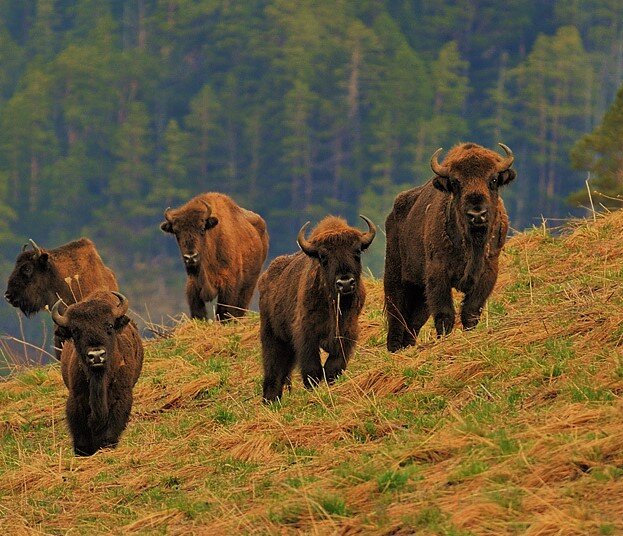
[[70, 272], [223, 247], [312, 300], [445, 234], [100, 363]]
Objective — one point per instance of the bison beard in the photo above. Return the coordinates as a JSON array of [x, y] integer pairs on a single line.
[[445, 234], [312, 300]]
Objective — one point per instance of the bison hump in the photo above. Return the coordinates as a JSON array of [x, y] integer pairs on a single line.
[[405, 200]]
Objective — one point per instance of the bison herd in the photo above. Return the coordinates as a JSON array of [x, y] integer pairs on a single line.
[[445, 234]]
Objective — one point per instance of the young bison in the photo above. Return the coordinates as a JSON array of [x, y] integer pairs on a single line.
[[100, 365], [445, 234], [312, 300], [70, 272], [223, 247]]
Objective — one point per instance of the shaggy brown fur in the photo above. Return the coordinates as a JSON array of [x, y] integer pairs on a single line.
[[100, 365], [445, 234], [223, 247], [70, 272], [312, 300]]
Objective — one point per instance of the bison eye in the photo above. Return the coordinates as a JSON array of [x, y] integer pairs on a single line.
[[27, 270], [493, 183], [109, 328], [322, 257]]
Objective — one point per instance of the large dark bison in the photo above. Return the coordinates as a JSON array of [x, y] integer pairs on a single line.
[[312, 300], [223, 247], [445, 234], [70, 272], [100, 365]]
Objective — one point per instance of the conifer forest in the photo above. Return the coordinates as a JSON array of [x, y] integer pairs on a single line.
[[112, 111]]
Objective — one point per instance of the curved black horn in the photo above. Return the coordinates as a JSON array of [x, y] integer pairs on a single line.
[[58, 318], [435, 166], [307, 247], [367, 238], [510, 157], [122, 308]]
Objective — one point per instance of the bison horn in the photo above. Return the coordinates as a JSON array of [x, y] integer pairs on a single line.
[[435, 166], [510, 157], [208, 207], [166, 214], [307, 247], [122, 308], [58, 318], [367, 238], [35, 246]]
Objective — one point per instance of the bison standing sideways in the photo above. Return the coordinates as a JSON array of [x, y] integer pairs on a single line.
[[223, 247], [70, 272], [445, 234], [312, 300], [100, 365]]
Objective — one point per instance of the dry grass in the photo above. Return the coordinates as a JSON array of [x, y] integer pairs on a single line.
[[514, 428]]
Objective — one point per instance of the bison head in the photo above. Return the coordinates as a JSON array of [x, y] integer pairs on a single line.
[[337, 248], [92, 324], [31, 281], [472, 175], [189, 225]]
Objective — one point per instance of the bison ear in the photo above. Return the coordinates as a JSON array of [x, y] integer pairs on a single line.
[[504, 177], [121, 322], [62, 333], [43, 258], [166, 226], [212, 221], [442, 184]]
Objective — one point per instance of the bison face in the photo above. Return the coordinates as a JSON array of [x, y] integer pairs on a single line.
[[473, 175], [339, 256], [31, 280], [189, 227], [92, 324]]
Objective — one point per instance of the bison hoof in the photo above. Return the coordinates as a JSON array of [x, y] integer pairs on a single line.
[[444, 324]]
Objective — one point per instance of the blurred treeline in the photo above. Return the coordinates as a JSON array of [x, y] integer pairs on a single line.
[[110, 111]]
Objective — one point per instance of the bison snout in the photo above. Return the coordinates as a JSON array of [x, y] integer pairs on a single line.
[[191, 259], [8, 297], [345, 285], [477, 216], [97, 358]]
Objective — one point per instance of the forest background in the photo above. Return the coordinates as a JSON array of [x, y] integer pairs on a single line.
[[111, 111]]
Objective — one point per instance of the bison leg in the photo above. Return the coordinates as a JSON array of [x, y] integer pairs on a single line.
[[77, 420], [416, 313], [278, 358], [195, 302], [334, 366], [311, 367], [118, 416], [476, 297], [439, 298]]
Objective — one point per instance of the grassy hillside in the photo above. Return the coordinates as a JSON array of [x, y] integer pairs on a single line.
[[514, 428]]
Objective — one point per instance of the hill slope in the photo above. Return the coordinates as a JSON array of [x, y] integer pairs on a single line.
[[515, 427]]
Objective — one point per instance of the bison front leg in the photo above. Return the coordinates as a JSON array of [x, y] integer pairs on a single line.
[[118, 416], [439, 298], [195, 302], [476, 297], [77, 420], [278, 360], [311, 367]]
